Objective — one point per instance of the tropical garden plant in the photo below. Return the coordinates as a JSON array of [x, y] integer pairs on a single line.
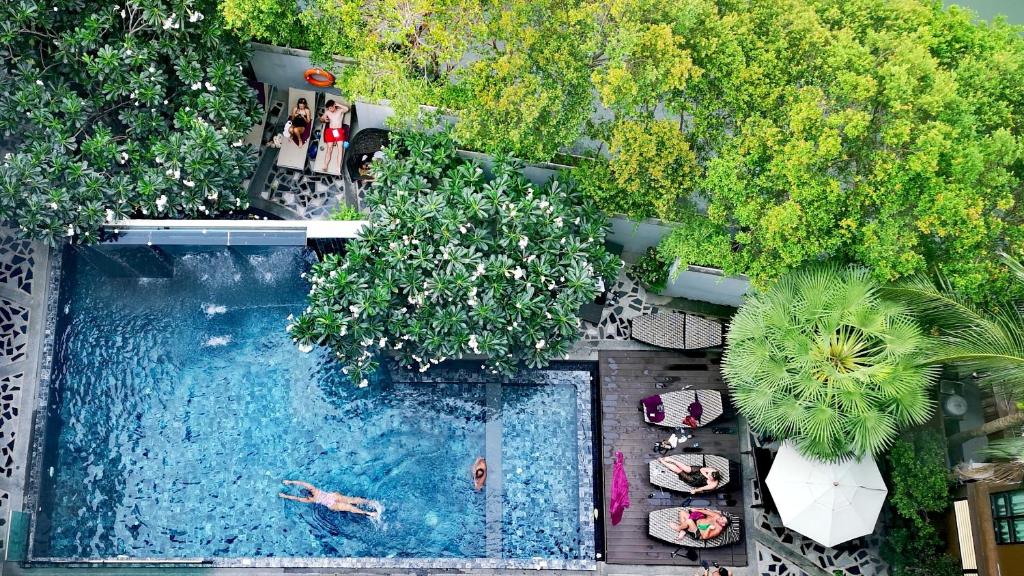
[[986, 341], [456, 261], [651, 269], [885, 134], [919, 496], [824, 359], [117, 109]]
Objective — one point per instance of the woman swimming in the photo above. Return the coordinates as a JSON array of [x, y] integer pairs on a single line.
[[479, 473], [332, 500]]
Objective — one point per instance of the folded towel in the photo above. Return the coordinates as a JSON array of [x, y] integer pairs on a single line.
[[653, 408]]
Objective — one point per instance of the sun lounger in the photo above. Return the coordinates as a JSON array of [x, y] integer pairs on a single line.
[[337, 157], [292, 156], [676, 330], [676, 407], [662, 476], [255, 136], [660, 526]]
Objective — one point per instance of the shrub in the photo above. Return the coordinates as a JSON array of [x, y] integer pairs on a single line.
[[698, 241], [919, 475], [116, 111], [821, 358], [456, 262], [919, 482], [651, 270], [346, 212]]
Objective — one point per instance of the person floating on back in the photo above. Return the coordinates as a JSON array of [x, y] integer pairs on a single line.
[[479, 473], [332, 500]]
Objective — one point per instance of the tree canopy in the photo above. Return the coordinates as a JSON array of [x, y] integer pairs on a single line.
[[112, 110], [885, 133], [457, 262], [824, 359]]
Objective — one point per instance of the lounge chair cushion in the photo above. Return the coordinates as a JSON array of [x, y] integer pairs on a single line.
[[660, 527], [662, 476], [677, 408]]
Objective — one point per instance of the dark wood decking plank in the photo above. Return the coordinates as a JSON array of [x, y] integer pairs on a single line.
[[626, 377]]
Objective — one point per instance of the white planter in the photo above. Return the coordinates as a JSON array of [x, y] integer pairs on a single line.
[[706, 285]]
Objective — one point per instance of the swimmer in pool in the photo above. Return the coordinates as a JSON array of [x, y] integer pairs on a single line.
[[332, 500], [479, 473]]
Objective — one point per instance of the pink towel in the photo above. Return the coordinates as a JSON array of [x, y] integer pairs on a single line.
[[620, 490]]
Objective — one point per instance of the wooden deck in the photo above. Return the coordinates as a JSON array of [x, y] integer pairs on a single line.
[[626, 377]]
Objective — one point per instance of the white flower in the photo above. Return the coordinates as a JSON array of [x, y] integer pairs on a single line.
[[109, 216], [544, 204], [54, 205], [123, 14], [197, 85], [210, 87], [39, 82], [169, 22], [124, 157], [518, 272], [188, 183], [305, 348], [212, 195], [161, 202], [71, 230], [195, 16], [473, 344], [480, 269], [523, 241], [558, 222], [363, 383], [462, 229], [128, 52], [383, 342]]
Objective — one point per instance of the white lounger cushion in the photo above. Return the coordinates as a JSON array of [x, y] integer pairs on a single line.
[[292, 156]]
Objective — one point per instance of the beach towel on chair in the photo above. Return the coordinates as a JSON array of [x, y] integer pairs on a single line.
[[695, 410], [653, 408], [620, 490]]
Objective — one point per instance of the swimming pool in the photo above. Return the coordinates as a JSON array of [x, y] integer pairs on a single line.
[[178, 405]]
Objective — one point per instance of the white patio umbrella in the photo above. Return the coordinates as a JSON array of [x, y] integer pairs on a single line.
[[828, 503]]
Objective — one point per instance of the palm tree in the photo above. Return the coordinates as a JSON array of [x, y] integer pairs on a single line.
[[986, 341], [823, 359]]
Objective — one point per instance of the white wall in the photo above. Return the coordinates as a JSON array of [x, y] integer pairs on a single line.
[[706, 285], [285, 67]]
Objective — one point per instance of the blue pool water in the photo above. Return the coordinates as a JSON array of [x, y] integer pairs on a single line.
[[179, 404]]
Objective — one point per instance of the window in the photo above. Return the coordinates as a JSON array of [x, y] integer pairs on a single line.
[[1008, 514]]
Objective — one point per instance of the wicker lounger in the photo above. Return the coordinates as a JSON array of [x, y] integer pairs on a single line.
[[660, 527], [662, 476], [677, 406], [676, 330]]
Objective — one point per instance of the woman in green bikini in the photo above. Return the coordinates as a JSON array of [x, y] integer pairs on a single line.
[[700, 523]]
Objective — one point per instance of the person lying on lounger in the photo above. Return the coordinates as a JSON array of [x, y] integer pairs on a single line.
[[699, 523], [332, 500], [301, 119], [702, 479]]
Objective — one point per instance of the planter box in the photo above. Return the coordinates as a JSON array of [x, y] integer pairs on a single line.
[[706, 285]]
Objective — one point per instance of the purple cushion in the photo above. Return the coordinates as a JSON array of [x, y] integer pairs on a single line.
[[653, 408]]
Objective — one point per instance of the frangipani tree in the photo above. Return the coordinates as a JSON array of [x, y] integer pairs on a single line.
[[823, 359], [457, 262], [114, 109]]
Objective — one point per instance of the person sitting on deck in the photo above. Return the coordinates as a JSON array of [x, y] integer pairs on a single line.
[[332, 500], [699, 523], [702, 479], [479, 473]]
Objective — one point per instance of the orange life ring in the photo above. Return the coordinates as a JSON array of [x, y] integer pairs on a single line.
[[319, 77]]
